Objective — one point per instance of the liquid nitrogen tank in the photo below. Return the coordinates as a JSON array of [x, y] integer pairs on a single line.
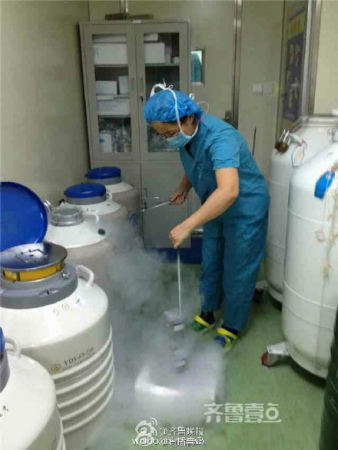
[[310, 136], [57, 313], [86, 241], [311, 262], [121, 192], [94, 198], [29, 415]]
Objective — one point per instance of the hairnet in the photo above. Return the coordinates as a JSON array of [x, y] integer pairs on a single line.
[[161, 107]]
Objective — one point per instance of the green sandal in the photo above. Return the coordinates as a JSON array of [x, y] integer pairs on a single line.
[[201, 326], [225, 338]]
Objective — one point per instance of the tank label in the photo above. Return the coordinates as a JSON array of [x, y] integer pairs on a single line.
[[73, 361]]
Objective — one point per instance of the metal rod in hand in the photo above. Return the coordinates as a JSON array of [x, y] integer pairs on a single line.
[[179, 282], [159, 205]]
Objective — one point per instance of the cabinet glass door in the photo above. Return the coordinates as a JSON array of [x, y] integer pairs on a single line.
[[162, 56], [112, 100], [159, 179]]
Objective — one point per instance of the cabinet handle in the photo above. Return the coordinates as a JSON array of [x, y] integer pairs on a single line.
[[228, 116], [142, 89], [144, 198]]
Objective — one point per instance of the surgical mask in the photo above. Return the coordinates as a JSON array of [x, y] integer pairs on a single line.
[[182, 139]]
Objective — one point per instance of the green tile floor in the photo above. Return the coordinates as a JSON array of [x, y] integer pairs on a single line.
[[298, 394]]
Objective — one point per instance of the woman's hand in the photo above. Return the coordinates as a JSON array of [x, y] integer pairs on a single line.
[[179, 234], [178, 197]]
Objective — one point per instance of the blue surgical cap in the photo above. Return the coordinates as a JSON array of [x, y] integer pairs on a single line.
[[161, 107]]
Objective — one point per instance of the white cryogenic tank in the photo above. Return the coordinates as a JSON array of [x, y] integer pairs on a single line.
[[84, 238], [294, 149], [94, 198], [29, 417], [121, 192], [311, 263], [57, 314]]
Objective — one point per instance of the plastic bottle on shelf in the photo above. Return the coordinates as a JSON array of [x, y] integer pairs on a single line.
[[125, 140], [105, 137], [105, 141], [112, 130], [118, 139]]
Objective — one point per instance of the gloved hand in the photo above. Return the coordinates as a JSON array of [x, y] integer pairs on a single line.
[[178, 196]]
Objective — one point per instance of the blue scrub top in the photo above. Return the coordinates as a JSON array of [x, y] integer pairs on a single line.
[[218, 145]]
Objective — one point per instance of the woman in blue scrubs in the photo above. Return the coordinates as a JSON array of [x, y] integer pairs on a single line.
[[234, 211]]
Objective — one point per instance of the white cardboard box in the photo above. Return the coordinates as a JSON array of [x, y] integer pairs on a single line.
[[99, 38], [105, 142], [151, 37], [154, 53], [113, 107], [124, 84], [106, 87], [106, 53]]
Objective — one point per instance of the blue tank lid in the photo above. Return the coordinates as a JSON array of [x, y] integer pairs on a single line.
[[85, 190], [2, 342], [23, 216], [101, 173]]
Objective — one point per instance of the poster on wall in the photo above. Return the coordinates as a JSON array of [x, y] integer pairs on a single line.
[[294, 65]]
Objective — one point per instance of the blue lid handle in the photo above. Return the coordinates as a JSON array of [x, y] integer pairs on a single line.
[[324, 183], [2, 342], [4, 366]]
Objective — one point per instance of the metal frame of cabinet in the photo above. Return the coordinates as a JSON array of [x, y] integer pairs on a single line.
[[87, 31], [184, 69], [310, 59], [139, 160]]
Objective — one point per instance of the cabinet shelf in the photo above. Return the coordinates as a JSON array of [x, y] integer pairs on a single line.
[[115, 96], [162, 65], [103, 66], [99, 66], [112, 116]]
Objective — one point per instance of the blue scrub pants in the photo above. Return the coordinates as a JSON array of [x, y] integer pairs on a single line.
[[231, 257]]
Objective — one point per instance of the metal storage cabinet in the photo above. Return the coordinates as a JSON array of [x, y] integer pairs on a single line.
[[121, 63]]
